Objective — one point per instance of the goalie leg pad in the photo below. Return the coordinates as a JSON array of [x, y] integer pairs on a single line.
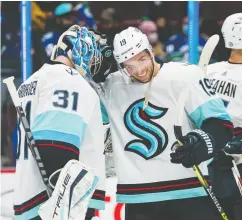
[[73, 190]]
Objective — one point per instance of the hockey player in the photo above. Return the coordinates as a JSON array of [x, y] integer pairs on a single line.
[[226, 80], [141, 99], [65, 118]]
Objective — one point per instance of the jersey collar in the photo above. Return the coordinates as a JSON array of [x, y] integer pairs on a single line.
[[233, 63], [51, 62]]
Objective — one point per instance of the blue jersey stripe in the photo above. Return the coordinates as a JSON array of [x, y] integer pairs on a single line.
[[212, 109], [32, 213], [59, 121], [59, 126], [96, 204], [162, 196], [57, 136]]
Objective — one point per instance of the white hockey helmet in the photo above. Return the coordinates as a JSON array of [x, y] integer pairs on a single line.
[[129, 43], [232, 31]]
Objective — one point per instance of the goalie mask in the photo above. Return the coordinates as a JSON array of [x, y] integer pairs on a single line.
[[81, 47], [134, 55]]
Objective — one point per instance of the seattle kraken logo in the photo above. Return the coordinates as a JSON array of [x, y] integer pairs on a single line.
[[153, 138]]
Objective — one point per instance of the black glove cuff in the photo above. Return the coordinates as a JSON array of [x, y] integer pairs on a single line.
[[202, 135]]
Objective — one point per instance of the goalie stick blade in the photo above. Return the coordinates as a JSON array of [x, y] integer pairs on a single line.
[[207, 52], [12, 90]]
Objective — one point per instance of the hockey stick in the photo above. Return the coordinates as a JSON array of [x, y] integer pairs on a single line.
[[207, 52], [32, 145], [203, 63]]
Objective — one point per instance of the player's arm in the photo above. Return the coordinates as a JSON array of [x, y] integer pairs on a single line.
[[232, 151], [214, 126]]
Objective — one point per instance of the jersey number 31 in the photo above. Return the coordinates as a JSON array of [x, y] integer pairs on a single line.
[[64, 99]]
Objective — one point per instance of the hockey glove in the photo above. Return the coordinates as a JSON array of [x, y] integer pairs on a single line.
[[108, 64], [232, 151], [197, 147]]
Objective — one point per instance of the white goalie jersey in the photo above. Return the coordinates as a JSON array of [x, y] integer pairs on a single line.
[[142, 140], [63, 112]]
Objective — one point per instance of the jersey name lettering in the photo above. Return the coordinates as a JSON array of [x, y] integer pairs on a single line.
[[224, 88], [27, 89]]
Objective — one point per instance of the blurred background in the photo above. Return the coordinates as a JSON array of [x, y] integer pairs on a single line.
[[165, 24]]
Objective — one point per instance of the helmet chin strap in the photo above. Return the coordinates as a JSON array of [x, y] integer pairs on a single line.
[[147, 93]]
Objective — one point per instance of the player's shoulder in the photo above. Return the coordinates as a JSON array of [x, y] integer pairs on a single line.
[[216, 66], [60, 76], [56, 72], [116, 77], [216, 69], [177, 71]]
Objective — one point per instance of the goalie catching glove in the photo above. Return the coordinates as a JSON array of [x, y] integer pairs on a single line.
[[73, 190], [197, 147]]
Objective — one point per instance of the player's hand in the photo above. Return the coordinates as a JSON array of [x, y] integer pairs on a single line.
[[108, 63], [197, 147], [232, 151]]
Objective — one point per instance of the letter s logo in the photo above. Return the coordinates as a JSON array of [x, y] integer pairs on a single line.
[[153, 138]]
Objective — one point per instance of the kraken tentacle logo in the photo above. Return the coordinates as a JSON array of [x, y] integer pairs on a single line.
[[153, 138]]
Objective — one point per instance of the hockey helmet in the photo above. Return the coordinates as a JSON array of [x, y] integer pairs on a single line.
[[129, 43], [232, 31]]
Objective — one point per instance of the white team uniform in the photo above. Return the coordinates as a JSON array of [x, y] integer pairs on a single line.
[[142, 140], [226, 80], [61, 107]]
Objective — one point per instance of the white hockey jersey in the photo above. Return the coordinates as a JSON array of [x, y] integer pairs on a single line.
[[61, 107], [142, 140], [226, 80]]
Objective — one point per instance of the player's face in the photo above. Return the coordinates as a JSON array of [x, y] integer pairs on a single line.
[[140, 67]]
